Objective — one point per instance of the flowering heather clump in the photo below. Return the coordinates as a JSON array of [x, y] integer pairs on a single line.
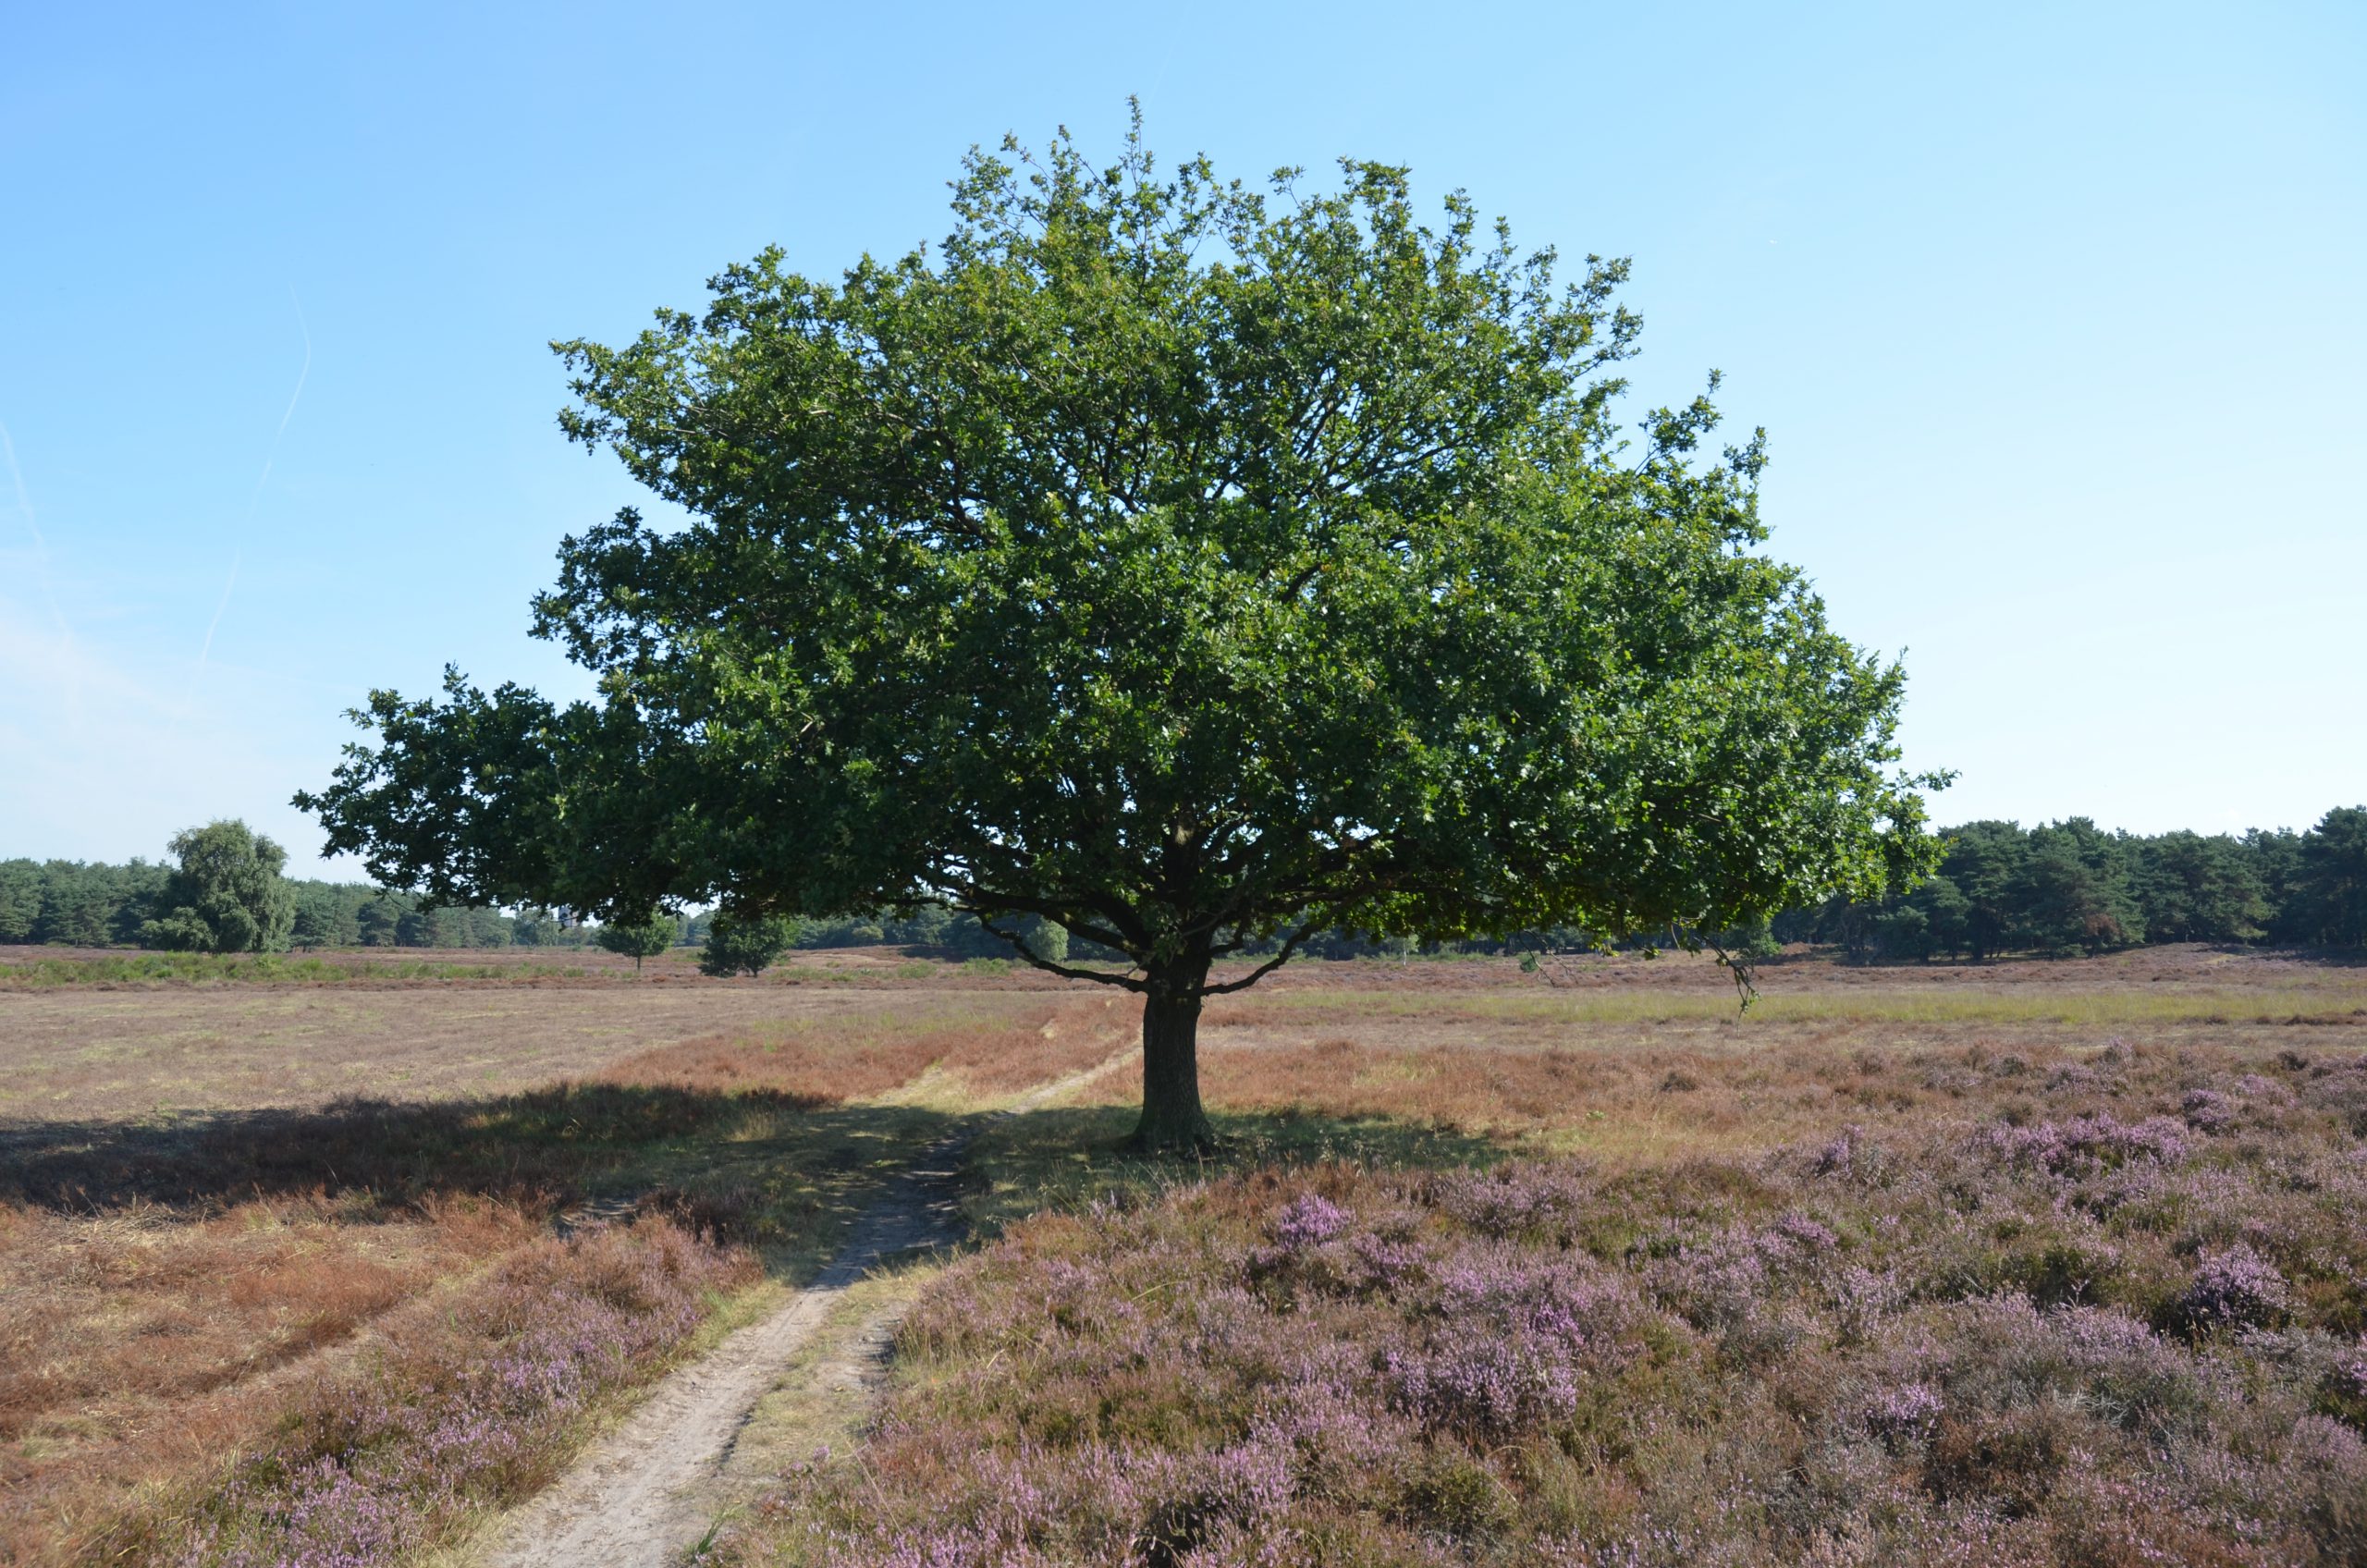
[[2208, 1110], [1309, 1221], [469, 1409], [1906, 1413], [2349, 1375], [2232, 1289], [2086, 1146], [2101, 1339], [1516, 1199]]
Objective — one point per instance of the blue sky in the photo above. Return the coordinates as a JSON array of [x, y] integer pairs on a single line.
[[2056, 316]]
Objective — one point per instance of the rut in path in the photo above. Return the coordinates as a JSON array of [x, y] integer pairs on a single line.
[[645, 1494]]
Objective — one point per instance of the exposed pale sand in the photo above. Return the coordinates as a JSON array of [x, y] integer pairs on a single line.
[[649, 1491]]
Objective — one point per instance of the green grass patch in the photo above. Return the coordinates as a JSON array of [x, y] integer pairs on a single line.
[[188, 969], [2334, 1001], [1067, 1159]]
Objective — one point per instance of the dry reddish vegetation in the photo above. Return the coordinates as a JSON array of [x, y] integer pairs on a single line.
[[173, 1291], [170, 1298], [985, 1052], [142, 1342], [465, 1407]]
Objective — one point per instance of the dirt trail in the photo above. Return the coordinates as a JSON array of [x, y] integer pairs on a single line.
[[645, 1494]]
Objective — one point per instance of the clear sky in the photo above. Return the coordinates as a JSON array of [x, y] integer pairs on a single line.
[[2056, 316]]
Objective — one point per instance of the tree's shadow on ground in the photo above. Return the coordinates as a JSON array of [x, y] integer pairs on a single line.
[[1068, 1157], [763, 1166], [544, 1148]]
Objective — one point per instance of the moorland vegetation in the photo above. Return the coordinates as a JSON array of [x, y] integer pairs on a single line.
[[2118, 1321], [2088, 1224]]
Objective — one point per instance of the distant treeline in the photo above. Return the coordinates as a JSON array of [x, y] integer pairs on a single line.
[[92, 904], [2060, 888], [2070, 887]]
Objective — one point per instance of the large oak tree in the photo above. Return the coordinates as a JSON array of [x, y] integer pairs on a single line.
[[1189, 566]]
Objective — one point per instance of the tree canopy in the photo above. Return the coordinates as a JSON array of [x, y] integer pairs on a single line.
[[745, 945], [225, 896], [1184, 565], [638, 940]]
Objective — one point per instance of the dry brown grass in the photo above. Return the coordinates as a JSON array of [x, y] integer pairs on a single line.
[[983, 1051], [169, 1284], [141, 1345], [133, 1053], [1653, 1059]]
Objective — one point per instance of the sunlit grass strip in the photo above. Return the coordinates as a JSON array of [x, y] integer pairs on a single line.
[[2335, 1002], [193, 968]]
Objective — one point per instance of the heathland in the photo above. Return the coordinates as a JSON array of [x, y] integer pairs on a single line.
[[2024, 1261]]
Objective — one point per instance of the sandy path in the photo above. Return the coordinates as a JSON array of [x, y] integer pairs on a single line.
[[645, 1495]]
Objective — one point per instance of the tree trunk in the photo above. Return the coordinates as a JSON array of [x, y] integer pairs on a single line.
[[1172, 1120]]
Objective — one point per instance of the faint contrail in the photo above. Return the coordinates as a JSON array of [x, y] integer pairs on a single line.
[[211, 625], [254, 500], [32, 524], [292, 398], [41, 571]]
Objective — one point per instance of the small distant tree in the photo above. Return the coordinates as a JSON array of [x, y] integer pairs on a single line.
[[1041, 941], [2272, 856], [2330, 883], [2194, 888], [536, 927], [314, 926], [1947, 915], [226, 895], [638, 940], [19, 900], [926, 926], [2073, 891], [745, 944], [379, 921], [1984, 862]]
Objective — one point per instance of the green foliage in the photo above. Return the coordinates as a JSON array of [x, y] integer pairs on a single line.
[[639, 939], [2068, 887], [537, 928], [78, 904], [745, 944], [322, 918], [20, 889], [227, 895], [2074, 891], [2201, 889], [75, 903], [1186, 567], [2329, 903], [379, 921], [1044, 940]]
